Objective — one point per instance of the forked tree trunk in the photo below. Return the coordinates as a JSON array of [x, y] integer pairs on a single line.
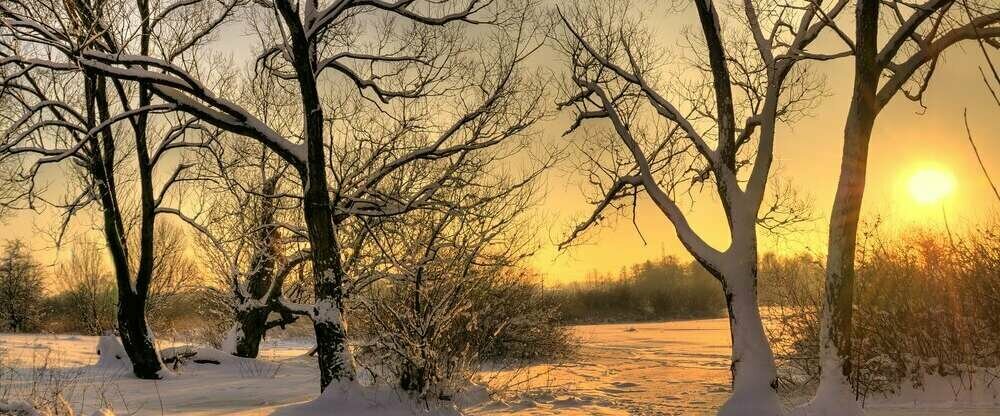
[[132, 327], [247, 333], [136, 337], [251, 314]]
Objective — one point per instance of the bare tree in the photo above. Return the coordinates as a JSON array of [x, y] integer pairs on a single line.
[[416, 52], [86, 293], [901, 64], [177, 277], [21, 288], [68, 115], [662, 139], [244, 220]]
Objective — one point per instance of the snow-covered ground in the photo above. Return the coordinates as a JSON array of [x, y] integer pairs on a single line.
[[670, 368]]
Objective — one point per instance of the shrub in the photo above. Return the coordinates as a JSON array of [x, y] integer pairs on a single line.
[[86, 297], [925, 304], [501, 318]]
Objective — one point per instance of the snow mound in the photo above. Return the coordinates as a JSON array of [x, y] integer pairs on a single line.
[[18, 408], [351, 398], [232, 336], [111, 353], [976, 390], [185, 355]]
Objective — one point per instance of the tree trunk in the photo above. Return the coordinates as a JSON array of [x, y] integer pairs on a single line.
[[251, 319], [755, 379], [136, 337], [247, 333], [336, 363], [132, 327], [335, 360], [834, 395]]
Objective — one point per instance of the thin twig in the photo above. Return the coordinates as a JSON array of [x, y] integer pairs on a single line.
[[965, 115]]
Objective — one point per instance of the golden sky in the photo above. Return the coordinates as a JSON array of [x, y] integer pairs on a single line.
[[906, 139], [808, 153]]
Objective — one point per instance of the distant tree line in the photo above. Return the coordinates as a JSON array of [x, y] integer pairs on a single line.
[[670, 289], [652, 291], [79, 295]]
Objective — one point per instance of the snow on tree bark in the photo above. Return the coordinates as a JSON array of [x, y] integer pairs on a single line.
[[614, 69], [896, 61], [755, 378]]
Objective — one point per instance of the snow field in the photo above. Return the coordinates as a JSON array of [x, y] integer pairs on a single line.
[[668, 368]]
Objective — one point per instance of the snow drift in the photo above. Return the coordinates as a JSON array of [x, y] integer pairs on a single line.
[[351, 398], [111, 354]]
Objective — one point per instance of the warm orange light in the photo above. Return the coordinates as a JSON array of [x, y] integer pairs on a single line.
[[929, 185]]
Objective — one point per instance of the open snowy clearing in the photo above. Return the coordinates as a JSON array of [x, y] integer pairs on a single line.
[[670, 368]]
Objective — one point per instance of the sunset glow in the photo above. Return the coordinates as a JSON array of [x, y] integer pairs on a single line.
[[930, 185], [500, 207]]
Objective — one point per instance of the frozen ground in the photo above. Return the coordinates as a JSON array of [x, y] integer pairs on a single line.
[[672, 368]]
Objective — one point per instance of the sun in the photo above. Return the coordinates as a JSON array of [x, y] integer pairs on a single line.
[[929, 185]]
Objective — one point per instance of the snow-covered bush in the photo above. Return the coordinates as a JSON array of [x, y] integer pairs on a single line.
[[453, 296], [464, 322], [927, 303], [518, 320]]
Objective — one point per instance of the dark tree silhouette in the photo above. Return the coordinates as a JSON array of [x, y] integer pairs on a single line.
[[21, 288]]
